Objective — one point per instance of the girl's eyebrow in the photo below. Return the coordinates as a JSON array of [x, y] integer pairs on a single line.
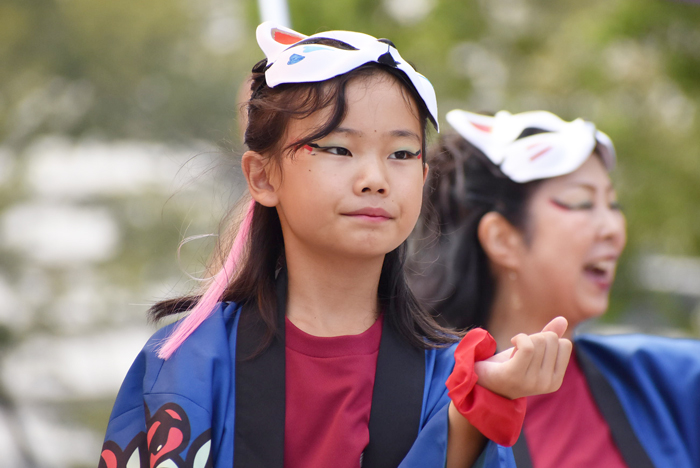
[[405, 134], [393, 133], [349, 131]]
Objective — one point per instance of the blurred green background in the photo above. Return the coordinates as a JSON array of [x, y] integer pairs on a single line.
[[118, 136]]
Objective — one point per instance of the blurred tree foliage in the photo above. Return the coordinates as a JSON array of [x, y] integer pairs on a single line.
[[153, 69], [170, 70]]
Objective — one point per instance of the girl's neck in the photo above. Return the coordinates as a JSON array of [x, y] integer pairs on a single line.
[[332, 296]]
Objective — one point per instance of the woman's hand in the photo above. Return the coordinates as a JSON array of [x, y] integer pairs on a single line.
[[535, 365]]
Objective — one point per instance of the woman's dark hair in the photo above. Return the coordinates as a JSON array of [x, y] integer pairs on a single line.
[[453, 273], [269, 113]]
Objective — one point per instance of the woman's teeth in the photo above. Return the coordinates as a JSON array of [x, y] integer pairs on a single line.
[[601, 267]]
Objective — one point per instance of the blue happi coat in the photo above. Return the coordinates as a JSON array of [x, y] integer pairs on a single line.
[[648, 390], [183, 412]]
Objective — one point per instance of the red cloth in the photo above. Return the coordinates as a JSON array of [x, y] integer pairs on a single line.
[[497, 418], [329, 383], [565, 428]]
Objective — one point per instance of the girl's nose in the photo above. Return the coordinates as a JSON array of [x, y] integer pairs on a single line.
[[372, 177]]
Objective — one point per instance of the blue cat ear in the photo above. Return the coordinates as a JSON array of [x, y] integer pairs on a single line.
[[273, 39]]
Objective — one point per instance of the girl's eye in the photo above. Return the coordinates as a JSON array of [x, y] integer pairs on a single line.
[[338, 150], [404, 154]]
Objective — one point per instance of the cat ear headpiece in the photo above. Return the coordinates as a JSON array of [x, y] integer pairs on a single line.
[[295, 58], [561, 149]]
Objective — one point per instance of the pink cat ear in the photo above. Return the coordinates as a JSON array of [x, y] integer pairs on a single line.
[[285, 37], [482, 127], [206, 304], [477, 129], [273, 39], [470, 122]]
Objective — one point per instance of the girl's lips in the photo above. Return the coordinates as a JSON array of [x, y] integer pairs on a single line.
[[370, 214]]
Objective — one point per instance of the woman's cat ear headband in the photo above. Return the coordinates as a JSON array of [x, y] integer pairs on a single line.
[[562, 149], [295, 58]]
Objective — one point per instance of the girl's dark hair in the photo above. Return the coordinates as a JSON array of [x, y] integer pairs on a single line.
[[454, 275], [269, 113]]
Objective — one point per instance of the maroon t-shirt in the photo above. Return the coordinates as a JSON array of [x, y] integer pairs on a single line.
[[566, 429], [329, 382]]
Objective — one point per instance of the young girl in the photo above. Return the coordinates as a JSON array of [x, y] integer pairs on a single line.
[[532, 229], [308, 349]]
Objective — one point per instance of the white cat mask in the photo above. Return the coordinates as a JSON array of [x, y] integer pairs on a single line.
[[295, 58], [562, 149]]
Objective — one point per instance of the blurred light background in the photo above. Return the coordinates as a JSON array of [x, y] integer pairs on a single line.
[[118, 136]]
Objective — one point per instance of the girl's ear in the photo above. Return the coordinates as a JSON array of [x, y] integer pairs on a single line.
[[425, 172], [501, 241], [262, 178]]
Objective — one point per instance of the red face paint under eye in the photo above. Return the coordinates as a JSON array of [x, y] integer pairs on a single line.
[[308, 148], [559, 204]]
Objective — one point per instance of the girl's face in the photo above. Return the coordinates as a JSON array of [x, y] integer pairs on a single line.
[[576, 235], [358, 191]]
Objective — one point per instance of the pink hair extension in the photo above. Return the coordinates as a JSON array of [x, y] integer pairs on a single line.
[[205, 306]]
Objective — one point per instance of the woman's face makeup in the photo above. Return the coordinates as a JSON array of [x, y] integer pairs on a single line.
[[581, 197], [576, 232]]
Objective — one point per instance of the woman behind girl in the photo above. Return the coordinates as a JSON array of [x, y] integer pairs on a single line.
[[308, 349], [531, 229]]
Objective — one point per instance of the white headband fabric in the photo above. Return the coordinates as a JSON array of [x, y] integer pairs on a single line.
[[290, 62], [562, 149]]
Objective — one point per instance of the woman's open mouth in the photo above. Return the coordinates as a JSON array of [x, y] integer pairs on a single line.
[[601, 272]]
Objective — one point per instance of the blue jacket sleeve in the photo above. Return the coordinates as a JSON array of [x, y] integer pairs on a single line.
[[657, 381], [430, 448], [179, 410]]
